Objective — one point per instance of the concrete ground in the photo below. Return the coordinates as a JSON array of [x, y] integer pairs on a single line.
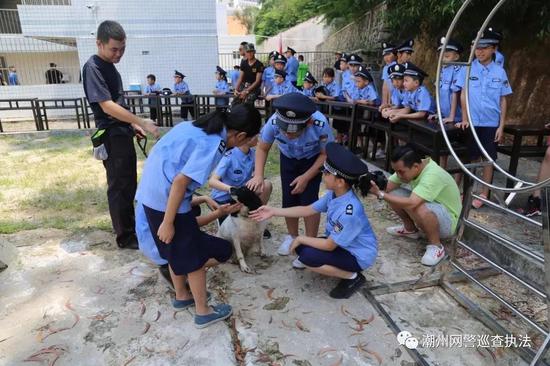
[[75, 299]]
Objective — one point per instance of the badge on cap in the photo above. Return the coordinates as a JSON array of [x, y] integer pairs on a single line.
[[349, 209], [290, 114]]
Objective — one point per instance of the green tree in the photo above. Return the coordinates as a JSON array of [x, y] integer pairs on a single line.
[[247, 17]]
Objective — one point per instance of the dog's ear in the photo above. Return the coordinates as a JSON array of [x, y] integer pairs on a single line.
[[248, 198]]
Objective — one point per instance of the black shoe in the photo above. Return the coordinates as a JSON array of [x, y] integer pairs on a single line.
[[346, 288], [533, 207], [131, 243], [267, 234], [165, 273]]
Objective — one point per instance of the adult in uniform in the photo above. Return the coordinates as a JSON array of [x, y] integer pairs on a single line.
[[302, 133], [177, 166], [389, 53], [281, 86], [221, 87], [292, 65], [349, 245], [309, 85], [405, 51], [103, 88]]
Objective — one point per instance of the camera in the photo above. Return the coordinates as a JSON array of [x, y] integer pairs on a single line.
[[378, 178], [165, 92]]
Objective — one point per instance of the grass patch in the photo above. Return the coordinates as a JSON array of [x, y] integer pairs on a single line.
[[54, 182]]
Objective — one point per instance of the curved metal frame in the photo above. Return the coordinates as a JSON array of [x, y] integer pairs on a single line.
[[528, 186]]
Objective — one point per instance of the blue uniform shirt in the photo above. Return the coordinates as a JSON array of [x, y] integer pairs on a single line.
[[151, 89], [487, 84], [420, 100], [348, 82], [291, 68], [447, 86], [499, 58], [308, 92], [309, 144], [186, 150], [234, 77], [399, 97], [222, 87], [281, 89], [348, 225], [333, 89], [12, 79], [235, 169], [366, 93], [181, 88], [267, 77], [386, 76]]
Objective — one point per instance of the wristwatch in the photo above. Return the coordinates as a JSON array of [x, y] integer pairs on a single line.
[[381, 195]]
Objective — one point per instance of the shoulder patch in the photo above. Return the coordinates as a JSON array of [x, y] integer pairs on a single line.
[[221, 147], [273, 121], [318, 123], [349, 209]]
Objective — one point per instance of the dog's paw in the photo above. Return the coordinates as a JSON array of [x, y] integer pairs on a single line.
[[245, 268]]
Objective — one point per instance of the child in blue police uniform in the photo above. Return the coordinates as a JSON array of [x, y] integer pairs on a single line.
[[364, 92], [269, 73], [354, 62], [291, 66], [152, 88], [488, 87], [449, 91], [281, 86], [308, 88], [419, 103], [177, 165], [234, 170], [182, 89], [302, 133], [347, 76], [235, 76], [389, 53], [222, 87], [405, 51], [349, 245], [398, 93], [330, 85]]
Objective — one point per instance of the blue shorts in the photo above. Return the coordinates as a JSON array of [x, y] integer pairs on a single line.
[[339, 258], [290, 170], [190, 248], [486, 136]]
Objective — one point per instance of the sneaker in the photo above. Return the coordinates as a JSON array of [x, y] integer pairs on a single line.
[[165, 274], [434, 254], [221, 312], [400, 231], [297, 264], [184, 304], [380, 154], [130, 243], [267, 234], [533, 207], [284, 249], [346, 288]]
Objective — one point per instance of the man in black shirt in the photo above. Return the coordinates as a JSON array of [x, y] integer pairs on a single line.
[[103, 88], [250, 78], [53, 75]]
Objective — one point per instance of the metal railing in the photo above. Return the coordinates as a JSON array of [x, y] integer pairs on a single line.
[[9, 22], [46, 2]]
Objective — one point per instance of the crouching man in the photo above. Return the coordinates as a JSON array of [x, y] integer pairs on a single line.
[[433, 206]]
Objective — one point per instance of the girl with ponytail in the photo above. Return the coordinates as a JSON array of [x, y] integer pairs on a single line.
[[179, 164]]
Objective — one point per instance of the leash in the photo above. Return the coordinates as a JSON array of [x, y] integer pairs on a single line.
[[142, 143]]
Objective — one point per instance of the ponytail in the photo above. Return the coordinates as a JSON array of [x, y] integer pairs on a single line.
[[362, 185], [212, 122]]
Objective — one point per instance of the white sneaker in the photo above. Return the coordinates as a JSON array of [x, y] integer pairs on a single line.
[[434, 254], [400, 231], [284, 249], [297, 264]]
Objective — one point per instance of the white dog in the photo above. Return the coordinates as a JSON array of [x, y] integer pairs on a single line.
[[243, 232]]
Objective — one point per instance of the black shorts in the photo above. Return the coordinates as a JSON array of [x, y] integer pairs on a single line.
[[486, 136], [292, 168], [339, 258], [190, 248]]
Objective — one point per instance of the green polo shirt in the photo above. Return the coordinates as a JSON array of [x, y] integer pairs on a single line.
[[434, 184]]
